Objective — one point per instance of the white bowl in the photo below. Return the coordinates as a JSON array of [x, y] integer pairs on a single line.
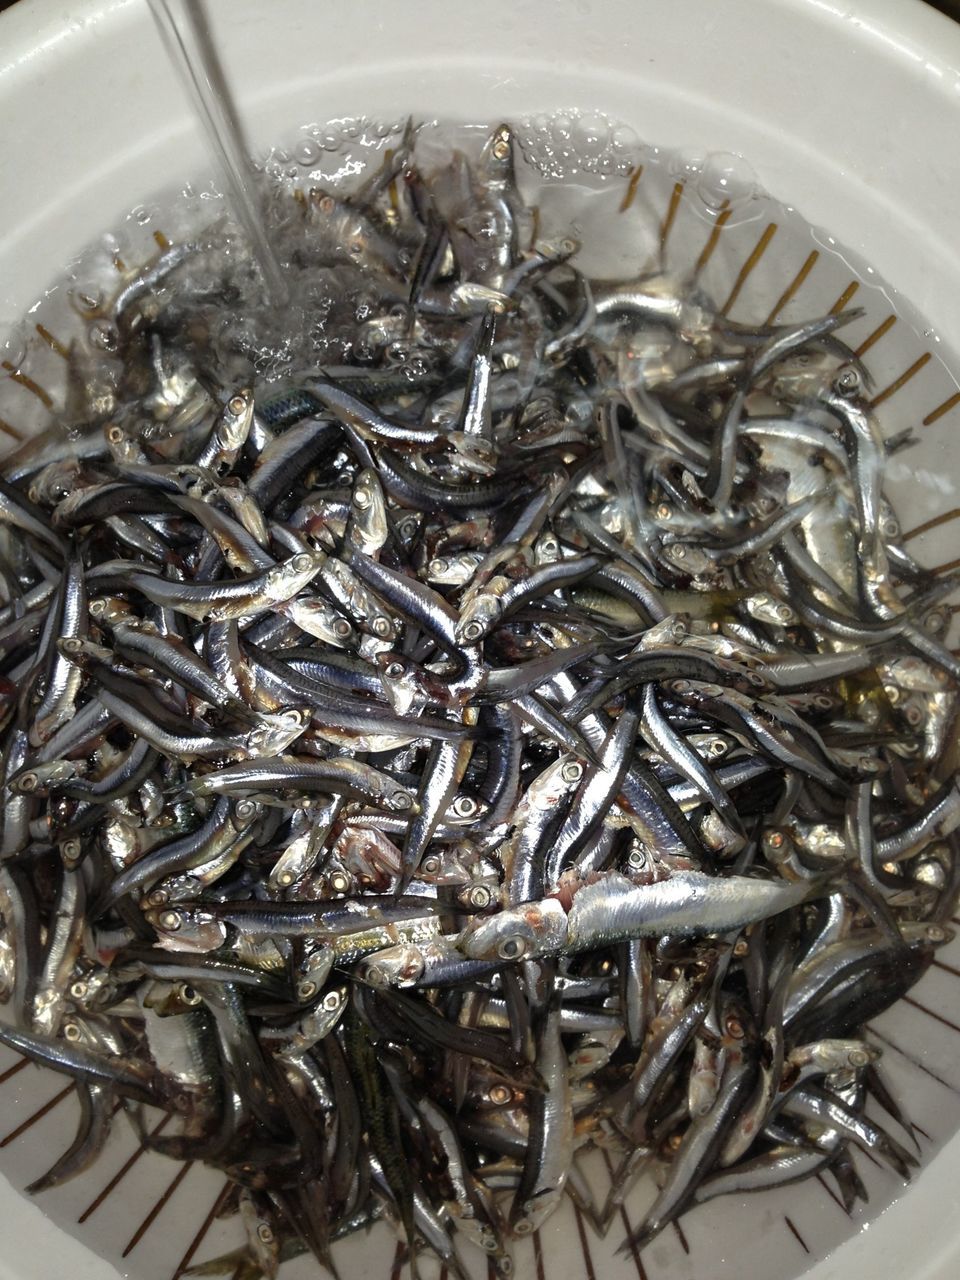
[[850, 113]]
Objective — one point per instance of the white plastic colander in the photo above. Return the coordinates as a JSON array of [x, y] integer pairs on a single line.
[[850, 113]]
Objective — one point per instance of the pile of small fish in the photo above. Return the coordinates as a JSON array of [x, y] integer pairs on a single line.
[[527, 735]]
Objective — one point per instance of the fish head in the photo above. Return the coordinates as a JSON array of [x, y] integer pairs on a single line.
[[530, 1215], [478, 617], [235, 420], [184, 928], [313, 972], [275, 733], [398, 966], [327, 1012], [530, 929]]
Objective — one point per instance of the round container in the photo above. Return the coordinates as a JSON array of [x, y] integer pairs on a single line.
[[848, 113]]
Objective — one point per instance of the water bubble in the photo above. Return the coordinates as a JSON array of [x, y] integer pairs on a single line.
[[141, 214], [103, 335], [562, 125], [14, 349], [726, 179], [350, 128], [591, 133], [307, 152], [624, 138], [686, 165], [85, 298]]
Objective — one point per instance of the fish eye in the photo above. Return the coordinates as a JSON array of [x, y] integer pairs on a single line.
[[381, 626], [572, 771], [331, 1000], [342, 628], [302, 562], [70, 850], [237, 404], [170, 920], [847, 382], [473, 631], [265, 1233], [361, 499], [394, 670], [859, 1058], [511, 948], [402, 800], [430, 865], [306, 990], [28, 782], [376, 975], [464, 807]]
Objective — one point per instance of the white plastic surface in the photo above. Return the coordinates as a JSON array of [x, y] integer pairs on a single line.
[[849, 111]]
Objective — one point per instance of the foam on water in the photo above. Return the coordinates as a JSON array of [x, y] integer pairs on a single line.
[[588, 175]]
